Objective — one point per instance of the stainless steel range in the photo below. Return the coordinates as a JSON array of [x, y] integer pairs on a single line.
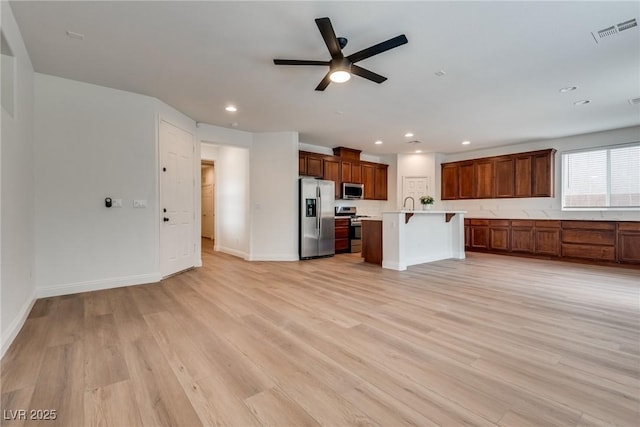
[[355, 226]]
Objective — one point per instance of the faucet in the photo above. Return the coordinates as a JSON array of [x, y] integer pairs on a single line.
[[413, 203]]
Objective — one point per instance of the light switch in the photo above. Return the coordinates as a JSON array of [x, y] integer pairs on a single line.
[[139, 203], [117, 203]]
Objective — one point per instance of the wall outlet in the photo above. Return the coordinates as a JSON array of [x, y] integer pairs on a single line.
[[139, 203], [117, 203]]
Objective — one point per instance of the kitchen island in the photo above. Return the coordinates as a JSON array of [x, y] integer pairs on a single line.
[[416, 237]]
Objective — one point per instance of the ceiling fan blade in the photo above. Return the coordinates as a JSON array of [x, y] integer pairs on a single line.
[[369, 75], [379, 48], [324, 82], [329, 36], [299, 62]]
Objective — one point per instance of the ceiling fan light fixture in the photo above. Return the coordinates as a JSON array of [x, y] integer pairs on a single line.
[[340, 76]]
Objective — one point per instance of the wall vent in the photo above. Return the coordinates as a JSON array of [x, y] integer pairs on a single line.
[[627, 24], [613, 30], [634, 101]]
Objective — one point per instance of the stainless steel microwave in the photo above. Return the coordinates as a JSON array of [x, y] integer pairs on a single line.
[[352, 191]]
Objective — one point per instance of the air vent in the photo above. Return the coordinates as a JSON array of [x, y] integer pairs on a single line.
[[627, 24], [607, 32], [634, 101], [613, 30]]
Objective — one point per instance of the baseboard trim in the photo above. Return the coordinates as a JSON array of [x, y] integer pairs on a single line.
[[394, 265], [265, 257], [96, 285], [233, 252], [17, 324]]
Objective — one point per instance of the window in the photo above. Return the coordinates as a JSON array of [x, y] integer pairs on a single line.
[[602, 178]]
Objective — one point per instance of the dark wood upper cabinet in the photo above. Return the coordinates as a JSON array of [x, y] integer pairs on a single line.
[[522, 176], [483, 179], [542, 174], [332, 173], [368, 179], [356, 173], [310, 164], [449, 181], [504, 177], [346, 169], [345, 166], [380, 178], [516, 175], [465, 180]]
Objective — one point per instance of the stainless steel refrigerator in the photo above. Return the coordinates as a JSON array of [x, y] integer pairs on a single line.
[[317, 224]]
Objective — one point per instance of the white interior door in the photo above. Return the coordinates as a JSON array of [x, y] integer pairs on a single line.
[[207, 202], [177, 182], [415, 186]]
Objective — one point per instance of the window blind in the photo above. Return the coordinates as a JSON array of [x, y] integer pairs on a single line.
[[602, 178]]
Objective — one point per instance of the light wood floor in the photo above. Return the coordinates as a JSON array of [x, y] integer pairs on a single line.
[[490, 340]]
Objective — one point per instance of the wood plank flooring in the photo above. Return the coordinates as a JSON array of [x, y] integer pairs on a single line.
[[486, 341]]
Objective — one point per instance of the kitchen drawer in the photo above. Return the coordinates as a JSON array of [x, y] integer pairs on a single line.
[[342, 233], [603, 253], [589, 225], [629, 226], [517, 223], [547, 223], [593, 237], [479, 221], [499, 222], [342, 222]]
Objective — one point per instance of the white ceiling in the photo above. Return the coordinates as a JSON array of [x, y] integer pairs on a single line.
[[505, 63]]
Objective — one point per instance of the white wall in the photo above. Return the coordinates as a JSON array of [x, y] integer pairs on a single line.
[[229, 148], [233, 201], [17, 261], [94, 142], [256, 191], [274, 196], [541, 207], [416, 165]]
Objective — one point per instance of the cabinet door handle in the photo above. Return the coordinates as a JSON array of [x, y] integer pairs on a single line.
[[165, 219]]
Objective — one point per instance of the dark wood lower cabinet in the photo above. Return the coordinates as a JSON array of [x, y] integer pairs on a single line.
[[593, 241], [372, 241], [546, 238], [479, 234], [521, 236], [342, 235], [499, 234], [629, 242]]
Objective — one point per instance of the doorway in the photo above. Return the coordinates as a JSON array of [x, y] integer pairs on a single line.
[[208, 216]]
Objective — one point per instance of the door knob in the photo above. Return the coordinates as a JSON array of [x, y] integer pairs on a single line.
[[165, 219]]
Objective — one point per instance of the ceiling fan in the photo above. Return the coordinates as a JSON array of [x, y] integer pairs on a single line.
[[341, 67]]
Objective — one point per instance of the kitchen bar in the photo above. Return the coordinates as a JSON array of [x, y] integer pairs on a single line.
[[416, 237]]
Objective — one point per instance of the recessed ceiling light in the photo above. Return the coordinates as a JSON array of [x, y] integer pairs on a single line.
[[466, 142], [75, 35], [408, 134], [378, 142], [568, 89], [582, 102], [231, 108], [440, 73], [418, 151]]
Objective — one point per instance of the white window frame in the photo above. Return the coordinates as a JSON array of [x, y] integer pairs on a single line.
[[608, 149]]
